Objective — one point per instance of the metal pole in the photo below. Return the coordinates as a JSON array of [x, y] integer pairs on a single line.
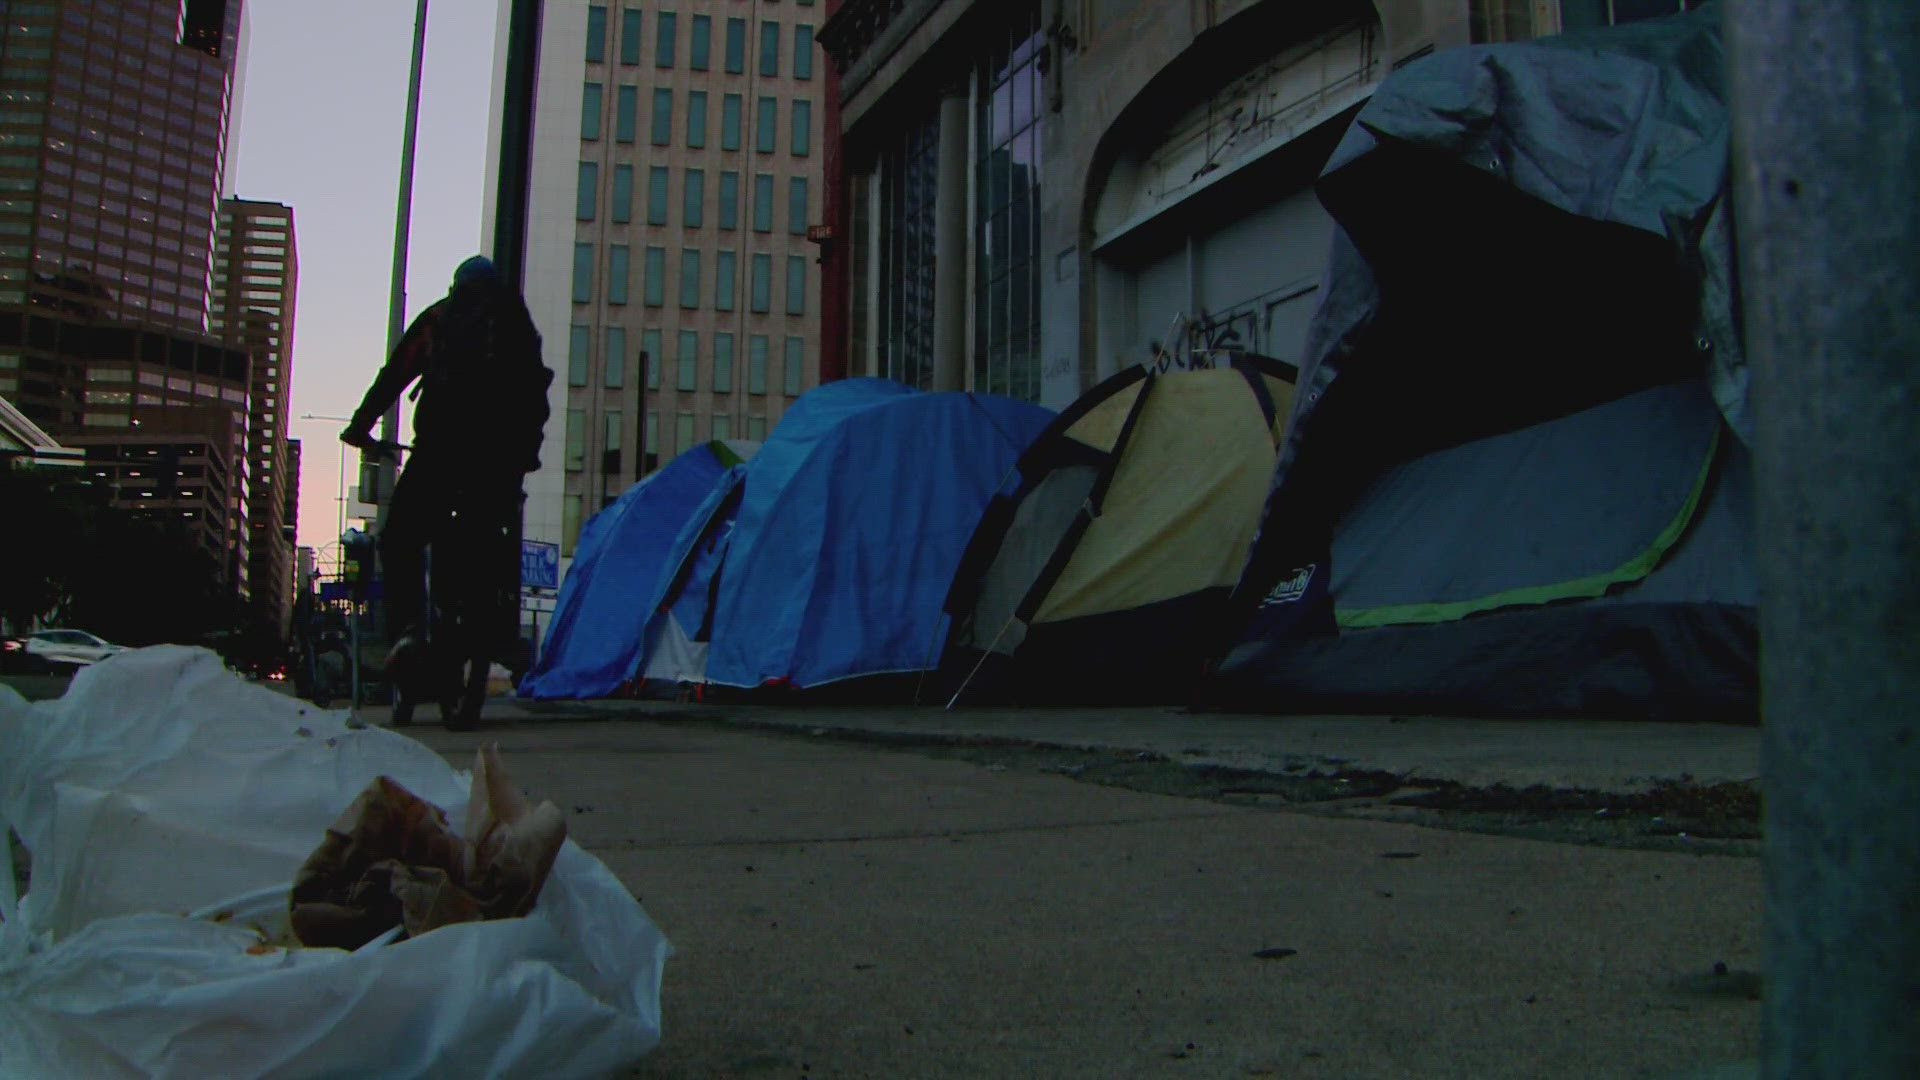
[[403, 217], [1827, 188], [516, 140]]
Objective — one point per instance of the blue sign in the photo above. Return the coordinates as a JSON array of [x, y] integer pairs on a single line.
[[539, 565]]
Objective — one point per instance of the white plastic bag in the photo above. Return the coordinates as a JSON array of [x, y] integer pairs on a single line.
[[167, 805]]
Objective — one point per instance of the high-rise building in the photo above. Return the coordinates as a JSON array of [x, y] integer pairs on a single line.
[[114, 125], [677, 168], [113, 140], [256, 271]]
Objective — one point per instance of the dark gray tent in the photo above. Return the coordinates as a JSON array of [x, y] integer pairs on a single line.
[[1515, 481]]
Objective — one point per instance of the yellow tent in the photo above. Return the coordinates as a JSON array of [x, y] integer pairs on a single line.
[[1103, 573]]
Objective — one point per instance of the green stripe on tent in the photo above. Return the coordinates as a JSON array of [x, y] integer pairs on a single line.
[[725, 454], [1587, 588]]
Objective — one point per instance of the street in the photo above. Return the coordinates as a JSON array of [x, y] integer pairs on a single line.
[[840, 909]]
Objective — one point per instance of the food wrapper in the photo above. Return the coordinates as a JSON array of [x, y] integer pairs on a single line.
[[393, 860]]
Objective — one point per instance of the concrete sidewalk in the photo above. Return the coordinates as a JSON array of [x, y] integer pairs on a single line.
[[1596, 756], [840, 910]]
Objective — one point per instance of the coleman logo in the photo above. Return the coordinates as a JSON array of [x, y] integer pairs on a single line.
[[1292, 587]]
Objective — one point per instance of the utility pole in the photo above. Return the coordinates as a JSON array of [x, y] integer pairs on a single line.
[[402, 224], [1827, 191]]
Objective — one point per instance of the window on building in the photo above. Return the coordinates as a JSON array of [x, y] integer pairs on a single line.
[[1006, 356], [590, 111], [769, 49], [757, 364], [800, 113], [657, 195], [650, 438], [730, 122], [683, 433], [596, 34], [725, 270], [570, 516], [690, 277], [763, 202], [1591, 14], [650, 355], [795, 369], [796, 284], [619, 273], [662, 116], [729, 200], [797, 205], [613, 358], [587, 192], [766, 132], [656, 286], [612, 428], [736, 46], [697, 119], [803, 52], [760, 297], [723, 362], [576, 439], [700, 45], [583, 273], [688, 376], [694, 198], [722, 426], [904, 320], [625, 113], [622, 193], [630, 36], [579, 342], [667, 28]]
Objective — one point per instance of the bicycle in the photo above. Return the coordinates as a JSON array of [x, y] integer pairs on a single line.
[[472, 594]]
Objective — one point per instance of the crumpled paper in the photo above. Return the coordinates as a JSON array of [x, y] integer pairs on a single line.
[[392, 860]]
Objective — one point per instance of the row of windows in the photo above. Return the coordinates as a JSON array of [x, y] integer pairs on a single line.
[[693, 198], [699, 42], [686, 360], [766, 124], [726, 277], [613, 436]]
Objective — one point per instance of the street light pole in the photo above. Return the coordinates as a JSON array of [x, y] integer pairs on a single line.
[[1826, 166]]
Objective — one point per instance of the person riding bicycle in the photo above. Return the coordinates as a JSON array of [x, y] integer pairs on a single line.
[[482, 410]]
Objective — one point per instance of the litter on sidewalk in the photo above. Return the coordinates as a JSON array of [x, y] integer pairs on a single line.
[[227, 881]]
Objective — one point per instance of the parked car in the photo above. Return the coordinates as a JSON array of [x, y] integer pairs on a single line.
[[47, 648]]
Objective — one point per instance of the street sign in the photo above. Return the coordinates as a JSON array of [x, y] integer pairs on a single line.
[[539, 565]]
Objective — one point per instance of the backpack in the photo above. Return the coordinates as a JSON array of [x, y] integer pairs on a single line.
[[483, 393]]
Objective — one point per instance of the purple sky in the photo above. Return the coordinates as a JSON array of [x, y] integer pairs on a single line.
[[320, 130]]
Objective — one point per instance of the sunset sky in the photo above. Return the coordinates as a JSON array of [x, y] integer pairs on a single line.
[[321, 123]]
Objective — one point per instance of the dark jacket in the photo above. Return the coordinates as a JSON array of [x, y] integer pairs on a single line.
[[482, 395]]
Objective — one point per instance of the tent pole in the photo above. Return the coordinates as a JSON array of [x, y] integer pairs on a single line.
[[978, 664], [1826, 178]]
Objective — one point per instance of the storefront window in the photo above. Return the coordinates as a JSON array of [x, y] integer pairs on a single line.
[[1006, 358]]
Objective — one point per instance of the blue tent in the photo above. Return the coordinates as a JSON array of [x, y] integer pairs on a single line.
[[594, 637], [829, 555]]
